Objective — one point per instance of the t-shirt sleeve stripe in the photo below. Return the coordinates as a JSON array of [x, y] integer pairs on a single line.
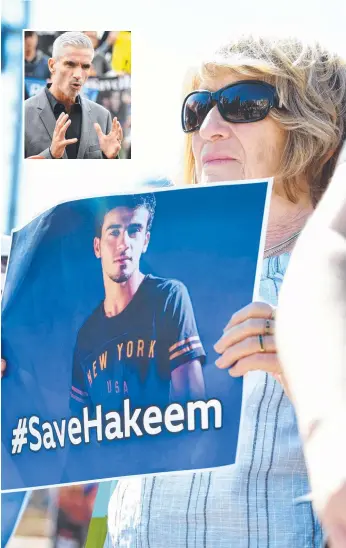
[[78, 391], [187, 348], [183, 342], [77, 398]]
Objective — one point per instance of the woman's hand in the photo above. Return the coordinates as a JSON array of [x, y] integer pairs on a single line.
[[248, 343]]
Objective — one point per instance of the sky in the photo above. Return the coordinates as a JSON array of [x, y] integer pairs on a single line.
[[167, 37]]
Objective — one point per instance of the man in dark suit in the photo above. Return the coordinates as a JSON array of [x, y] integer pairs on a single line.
[[59, 122]]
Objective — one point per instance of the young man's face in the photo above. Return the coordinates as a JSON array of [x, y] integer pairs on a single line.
[[124, 237]]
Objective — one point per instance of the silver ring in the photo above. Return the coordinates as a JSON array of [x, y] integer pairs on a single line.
[[267, 328]]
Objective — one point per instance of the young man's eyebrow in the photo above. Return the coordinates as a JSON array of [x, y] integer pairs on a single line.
[[110, 227], [131, 225]]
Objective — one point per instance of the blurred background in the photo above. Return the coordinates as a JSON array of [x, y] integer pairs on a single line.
[[56, 518], [66, 517]]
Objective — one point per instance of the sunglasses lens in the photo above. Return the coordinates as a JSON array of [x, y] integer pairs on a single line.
[[195, 109], [245, 102]]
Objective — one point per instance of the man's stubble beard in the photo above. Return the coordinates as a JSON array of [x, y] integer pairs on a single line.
[[120, 278]]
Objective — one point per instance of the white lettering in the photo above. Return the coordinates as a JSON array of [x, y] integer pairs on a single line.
[[130, 421], [151, 416], [74, 428], [204, 407], [48, 436], [113, 426], [35, 433], [93, 423], [173, 413]]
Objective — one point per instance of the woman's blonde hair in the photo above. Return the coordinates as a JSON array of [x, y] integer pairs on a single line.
[[311, 84]]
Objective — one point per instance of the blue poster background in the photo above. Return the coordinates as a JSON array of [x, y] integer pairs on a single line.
[[206, 237]]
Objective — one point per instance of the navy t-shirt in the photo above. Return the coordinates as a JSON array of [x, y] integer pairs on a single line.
[[133, 354]]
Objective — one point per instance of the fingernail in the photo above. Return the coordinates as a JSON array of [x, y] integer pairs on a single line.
[[219, 344], [216, 347]]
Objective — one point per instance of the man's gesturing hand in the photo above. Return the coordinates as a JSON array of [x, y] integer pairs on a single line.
[[110, 144], [59, 143]]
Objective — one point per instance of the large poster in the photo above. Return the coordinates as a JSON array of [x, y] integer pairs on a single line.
[[111, 310]]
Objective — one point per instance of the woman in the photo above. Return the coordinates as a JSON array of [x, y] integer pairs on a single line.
[[291, 129]]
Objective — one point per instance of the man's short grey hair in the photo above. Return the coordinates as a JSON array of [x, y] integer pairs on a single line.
[[74, 39]]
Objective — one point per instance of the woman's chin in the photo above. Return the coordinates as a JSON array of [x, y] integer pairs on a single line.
[[218, 174]]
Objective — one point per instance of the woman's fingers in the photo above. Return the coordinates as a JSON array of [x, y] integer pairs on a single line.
[[256, 362], [247, 347], [252, 310], [248, 328], [248, 343]]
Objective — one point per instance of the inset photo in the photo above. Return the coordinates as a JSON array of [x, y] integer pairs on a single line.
[[77, 95]]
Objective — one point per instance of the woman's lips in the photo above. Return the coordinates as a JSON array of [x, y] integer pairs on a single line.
[[213, 160]]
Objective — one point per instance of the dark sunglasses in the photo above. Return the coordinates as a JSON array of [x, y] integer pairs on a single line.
[[240, 103]]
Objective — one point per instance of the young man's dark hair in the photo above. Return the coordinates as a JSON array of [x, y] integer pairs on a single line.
[[133, 201]]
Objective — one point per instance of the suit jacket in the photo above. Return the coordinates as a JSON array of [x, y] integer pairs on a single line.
[[40, 123]]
